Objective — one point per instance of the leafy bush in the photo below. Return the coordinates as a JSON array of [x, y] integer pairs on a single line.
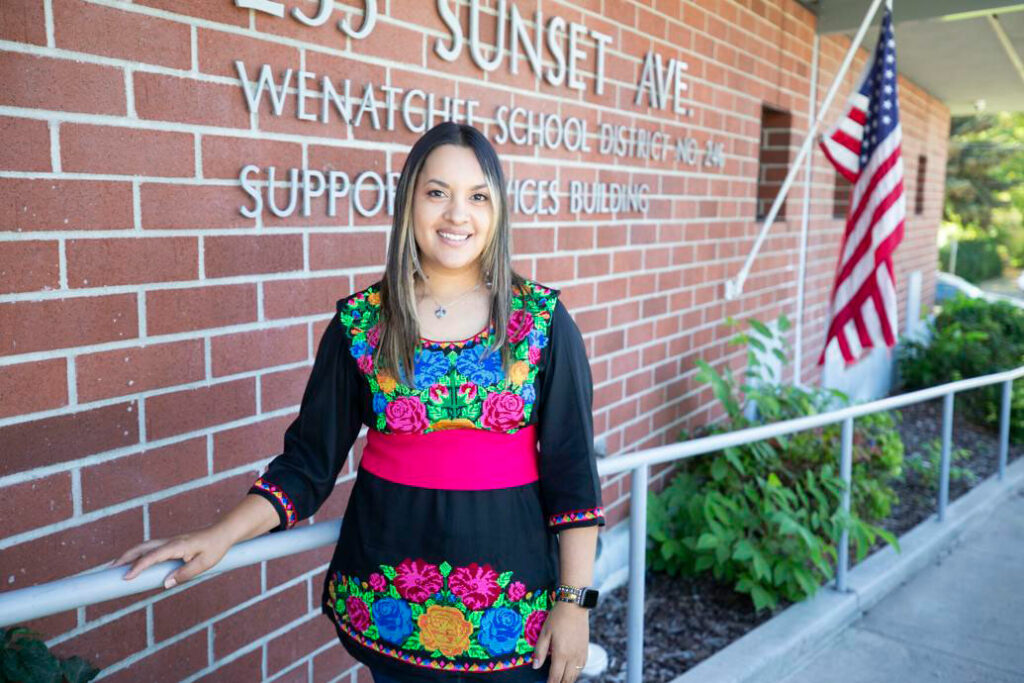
[[26, 659], [977, 260], [766, 517], [970, 338]]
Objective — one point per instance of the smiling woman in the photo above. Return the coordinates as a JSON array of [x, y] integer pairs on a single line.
[[470, 531]]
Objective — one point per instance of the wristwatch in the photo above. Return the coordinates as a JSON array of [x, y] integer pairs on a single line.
[[584, 596]]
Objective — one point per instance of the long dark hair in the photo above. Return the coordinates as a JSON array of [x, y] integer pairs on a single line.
[[399, 325]]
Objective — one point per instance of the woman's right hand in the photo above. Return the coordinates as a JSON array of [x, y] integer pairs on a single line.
[[200, 550]]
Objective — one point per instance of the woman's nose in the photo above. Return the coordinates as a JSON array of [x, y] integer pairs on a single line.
[[457, 212]]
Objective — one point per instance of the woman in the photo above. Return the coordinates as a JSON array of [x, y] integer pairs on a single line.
[[477, 496]]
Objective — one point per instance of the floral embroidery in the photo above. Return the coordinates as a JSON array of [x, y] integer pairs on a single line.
[[286, 503], [576, 516], [428, 615], [455, 385]]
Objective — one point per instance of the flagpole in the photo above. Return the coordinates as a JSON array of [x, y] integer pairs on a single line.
[[808, 177], [734, 287]]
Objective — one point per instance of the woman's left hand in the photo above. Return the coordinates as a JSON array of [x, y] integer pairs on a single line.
[[566, 634]]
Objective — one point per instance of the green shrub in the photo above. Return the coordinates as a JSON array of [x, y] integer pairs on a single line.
[[26, 659], [766, 517], [977, 260], [970, 338]]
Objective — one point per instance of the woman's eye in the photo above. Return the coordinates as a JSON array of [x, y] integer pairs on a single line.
[[429, 192], [482, 196]]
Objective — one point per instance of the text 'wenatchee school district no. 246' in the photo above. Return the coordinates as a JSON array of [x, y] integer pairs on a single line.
[[318, 98]]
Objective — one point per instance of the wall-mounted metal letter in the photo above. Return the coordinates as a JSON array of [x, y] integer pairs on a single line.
[[268, 6], [369, 21]]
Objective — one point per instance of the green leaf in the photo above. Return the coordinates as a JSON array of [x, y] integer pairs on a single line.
[[761, 568], [39, 662], [707, 541], [807, 585], [889, 537], [13, 669], [732, 454], [743, 550], [762, 598], [478, 652], [719, 387], [77, 670], [761, 328], [719, 469]]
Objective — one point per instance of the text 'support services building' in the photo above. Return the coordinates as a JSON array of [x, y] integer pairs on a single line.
[[160, 300]]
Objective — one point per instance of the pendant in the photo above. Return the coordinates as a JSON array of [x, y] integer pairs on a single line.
[[440, 311]]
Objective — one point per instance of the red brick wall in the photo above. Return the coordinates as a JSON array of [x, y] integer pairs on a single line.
[[154, 342]]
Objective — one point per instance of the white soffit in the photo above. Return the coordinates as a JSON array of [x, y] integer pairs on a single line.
[[961, 52]]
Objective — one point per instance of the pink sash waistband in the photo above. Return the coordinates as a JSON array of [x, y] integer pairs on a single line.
[[465, 459]]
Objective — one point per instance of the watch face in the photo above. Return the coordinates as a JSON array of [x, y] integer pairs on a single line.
[[589, 597]]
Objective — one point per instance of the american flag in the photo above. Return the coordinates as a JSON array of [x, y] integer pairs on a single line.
[[864, 146]]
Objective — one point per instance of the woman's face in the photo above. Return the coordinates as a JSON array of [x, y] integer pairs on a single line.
[[452, 210]]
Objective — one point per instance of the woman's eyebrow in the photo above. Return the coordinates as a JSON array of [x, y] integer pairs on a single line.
[[481, 186]]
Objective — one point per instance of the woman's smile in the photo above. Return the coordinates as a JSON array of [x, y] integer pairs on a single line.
[[454, 239]]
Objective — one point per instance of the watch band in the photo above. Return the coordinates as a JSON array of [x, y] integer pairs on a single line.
[[584, 596]]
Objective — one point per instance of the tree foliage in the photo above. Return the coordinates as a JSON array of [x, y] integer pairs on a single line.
[[985, 171]]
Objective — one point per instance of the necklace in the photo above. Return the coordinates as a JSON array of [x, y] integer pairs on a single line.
[[442, 310]]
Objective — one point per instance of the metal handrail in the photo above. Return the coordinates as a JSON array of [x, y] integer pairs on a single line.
[[103, 584]]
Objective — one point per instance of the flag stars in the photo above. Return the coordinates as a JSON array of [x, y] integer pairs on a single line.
[[888, 74], [886, 120], [887, 104]]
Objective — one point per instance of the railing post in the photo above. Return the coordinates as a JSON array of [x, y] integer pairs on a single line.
[[846, 472], [637, 573], [947, 445], [1004, 427]]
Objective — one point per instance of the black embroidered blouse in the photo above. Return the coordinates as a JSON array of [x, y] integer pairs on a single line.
[[430, 583]]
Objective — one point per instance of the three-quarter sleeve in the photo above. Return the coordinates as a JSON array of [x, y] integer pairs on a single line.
[[317, 443], [569, 482]]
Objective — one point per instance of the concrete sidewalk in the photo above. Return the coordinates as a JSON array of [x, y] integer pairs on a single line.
[[959, 620]]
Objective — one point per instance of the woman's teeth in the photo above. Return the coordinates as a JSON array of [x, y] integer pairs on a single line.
[[451, 237]]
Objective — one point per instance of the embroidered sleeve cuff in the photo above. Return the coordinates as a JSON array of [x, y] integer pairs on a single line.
[[276, 495], [576, 518]]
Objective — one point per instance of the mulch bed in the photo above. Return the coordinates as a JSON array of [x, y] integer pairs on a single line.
[[688, 619]]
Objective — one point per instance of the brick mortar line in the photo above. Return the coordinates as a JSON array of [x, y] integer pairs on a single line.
[[156, 125], [116, 453], [169, 642], [640, 115], [209, 380], [142, 502]]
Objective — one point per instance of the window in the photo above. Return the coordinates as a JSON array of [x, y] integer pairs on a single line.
[[922, 169], [773, 161], [841, 196]]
